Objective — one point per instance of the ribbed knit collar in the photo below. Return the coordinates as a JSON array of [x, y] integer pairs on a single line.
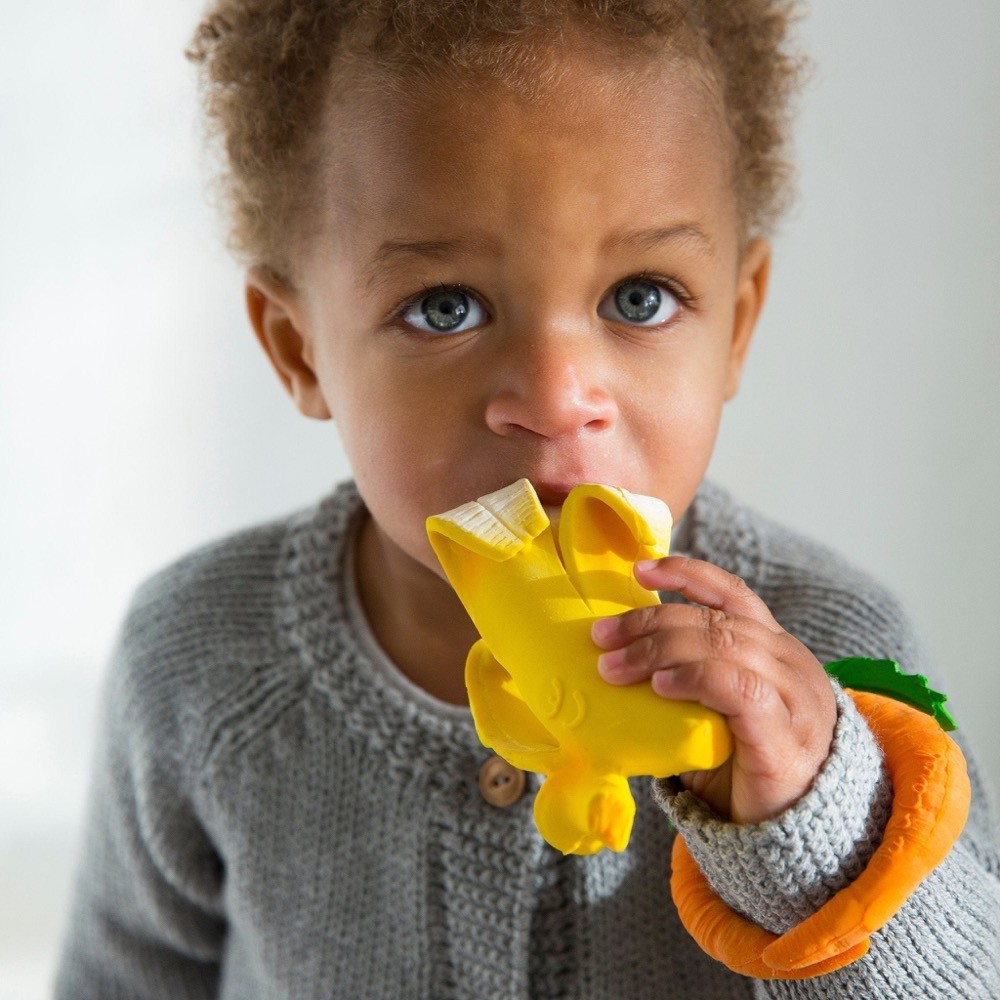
[[408, 732]]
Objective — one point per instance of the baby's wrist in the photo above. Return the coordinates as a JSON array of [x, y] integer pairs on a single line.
[[783, 869]]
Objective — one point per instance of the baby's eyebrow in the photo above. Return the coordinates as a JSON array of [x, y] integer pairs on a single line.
[[646, 239], [476, 244], [479, 244]]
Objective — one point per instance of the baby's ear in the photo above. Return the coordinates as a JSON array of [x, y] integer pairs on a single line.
[[751, 291], [279, 320]]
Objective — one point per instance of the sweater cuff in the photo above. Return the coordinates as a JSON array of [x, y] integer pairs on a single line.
[[778, 872]]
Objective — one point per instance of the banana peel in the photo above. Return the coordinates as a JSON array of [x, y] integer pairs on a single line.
[[536, 697]]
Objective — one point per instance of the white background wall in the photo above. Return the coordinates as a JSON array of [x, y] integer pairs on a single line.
[[138, 417]]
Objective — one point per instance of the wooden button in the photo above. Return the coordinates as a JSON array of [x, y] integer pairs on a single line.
[[501, 783]]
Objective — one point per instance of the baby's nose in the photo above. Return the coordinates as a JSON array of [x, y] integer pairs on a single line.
[[552, 388]]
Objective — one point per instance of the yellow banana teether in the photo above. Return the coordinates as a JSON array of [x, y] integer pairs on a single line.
[[534, 690]]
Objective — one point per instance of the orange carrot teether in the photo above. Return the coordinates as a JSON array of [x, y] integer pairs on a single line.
[[931, 803]]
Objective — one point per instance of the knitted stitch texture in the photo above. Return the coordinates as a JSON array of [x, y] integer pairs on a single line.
[[779, 872], [276, 812]]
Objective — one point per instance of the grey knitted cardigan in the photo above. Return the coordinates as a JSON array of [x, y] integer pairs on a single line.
[[276, 812]]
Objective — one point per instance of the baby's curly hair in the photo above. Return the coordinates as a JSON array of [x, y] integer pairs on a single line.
[[269, 67]]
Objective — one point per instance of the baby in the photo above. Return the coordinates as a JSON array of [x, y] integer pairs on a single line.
[[493, 241]]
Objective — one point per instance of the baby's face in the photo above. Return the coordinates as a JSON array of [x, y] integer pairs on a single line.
[[575, 310]]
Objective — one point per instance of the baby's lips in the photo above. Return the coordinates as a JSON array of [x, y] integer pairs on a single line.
[[551, 495]]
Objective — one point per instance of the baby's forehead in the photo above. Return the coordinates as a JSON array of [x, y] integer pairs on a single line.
[[545, 177], [579, 104], [564, 86]]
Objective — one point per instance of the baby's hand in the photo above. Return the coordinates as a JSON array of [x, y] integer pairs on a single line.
[[732, 656]]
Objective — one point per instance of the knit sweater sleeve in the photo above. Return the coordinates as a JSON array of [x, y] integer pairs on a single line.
[[945, 940], [943, 943], [146, 919]]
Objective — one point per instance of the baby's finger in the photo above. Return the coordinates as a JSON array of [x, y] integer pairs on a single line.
[[706, 584], [709, 635], [749, 700], [622, 629]]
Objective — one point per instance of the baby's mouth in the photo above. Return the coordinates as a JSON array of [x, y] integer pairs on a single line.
[[551, 496]]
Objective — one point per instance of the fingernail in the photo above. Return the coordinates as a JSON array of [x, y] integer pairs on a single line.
[[646, 564], [661, 682], [602, 629], [609, 663]]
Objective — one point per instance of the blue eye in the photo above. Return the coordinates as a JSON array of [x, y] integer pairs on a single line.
[[443, 309], [639, 301]]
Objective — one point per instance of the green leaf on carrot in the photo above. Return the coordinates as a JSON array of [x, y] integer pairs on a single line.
[[884, 677]]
